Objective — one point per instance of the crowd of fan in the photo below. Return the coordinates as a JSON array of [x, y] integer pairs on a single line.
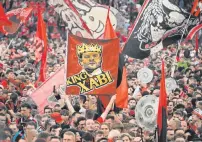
[[86, 120]]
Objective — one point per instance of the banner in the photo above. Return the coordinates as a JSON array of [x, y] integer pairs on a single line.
[[92, 66], [158, 24]]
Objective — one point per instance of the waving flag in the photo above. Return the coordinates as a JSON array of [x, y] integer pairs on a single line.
[[92, 66], [42, 96], [41, 34], [158, 24], [109, 32], [17, 18], [162, 115], [3, 18]]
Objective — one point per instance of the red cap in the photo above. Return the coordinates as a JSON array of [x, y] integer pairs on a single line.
[[57, 117]]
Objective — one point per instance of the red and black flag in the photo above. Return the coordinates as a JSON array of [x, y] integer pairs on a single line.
[[158, 24], [162, 115], [17, 17], [92, 66], [196, 9]]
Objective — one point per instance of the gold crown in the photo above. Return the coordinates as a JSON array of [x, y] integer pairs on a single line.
[[88, 48]]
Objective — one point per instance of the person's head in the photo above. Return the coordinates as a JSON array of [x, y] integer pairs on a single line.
[[64, 114], [90, 125], [170, 107], [13, 127], [44, 135], [174, 124], [90, 56], [8, 131], [55, 130], [25, 110], [3, 119], [179, 131], [178, 114], [75, 116], [131, 102], [180, 138], [137, 139], [170, 134], [57, 108], [114, 134], [184, 125], [30, 125], [55, 139], [47, 110], [109, 119], [4, 137], [14, 97], [96, 126], [99, 135], [81, 123], [88, 137], [118, 126], [69, 137], [44, 118], [105, 128], [126, 137]]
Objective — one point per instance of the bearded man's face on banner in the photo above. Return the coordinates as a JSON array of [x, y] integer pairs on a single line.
[[91, 60]]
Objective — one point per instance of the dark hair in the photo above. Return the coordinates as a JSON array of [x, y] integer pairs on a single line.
[[54, 127], [55, 137], [31, 123], [47, 107], [14, 97], [26, 105], [3, 135], [79, 120], [88, 137], [103, 139], [83, 98], [64, 112], [9, 130], [110, 117], [40, 140], [43, 135]]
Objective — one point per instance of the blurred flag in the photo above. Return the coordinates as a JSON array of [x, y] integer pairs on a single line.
[[3, 18], [17, 18], [41, 35], [109, 32], [196, 8]]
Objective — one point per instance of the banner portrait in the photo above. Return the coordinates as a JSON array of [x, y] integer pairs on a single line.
[[92, 66]]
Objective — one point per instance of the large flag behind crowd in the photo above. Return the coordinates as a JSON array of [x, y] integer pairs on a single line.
[[159, 24], [92, 66], [92, 13]]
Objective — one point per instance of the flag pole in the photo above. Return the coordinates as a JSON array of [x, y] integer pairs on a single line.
[[66, 61], [7, 48], [178, 47]]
